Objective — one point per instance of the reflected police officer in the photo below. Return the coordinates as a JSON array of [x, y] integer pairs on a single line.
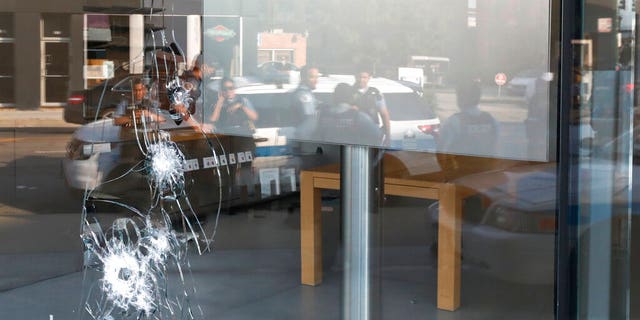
[[233, 114], [470, 131], [371, 101], [341, 122], [304, 103], [138, 102]]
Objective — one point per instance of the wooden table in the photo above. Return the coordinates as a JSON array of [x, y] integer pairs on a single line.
[[424, 187]]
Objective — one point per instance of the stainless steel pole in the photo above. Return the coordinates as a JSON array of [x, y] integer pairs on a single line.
[[359, 187]]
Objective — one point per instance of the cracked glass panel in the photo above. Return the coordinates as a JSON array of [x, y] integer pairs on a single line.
[[151, 158]]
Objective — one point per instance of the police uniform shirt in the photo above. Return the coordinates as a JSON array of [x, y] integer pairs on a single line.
[[238, 119], [124, 105], [343, 124], [471, 132], [371, 101], [305, 103], [303, 112]]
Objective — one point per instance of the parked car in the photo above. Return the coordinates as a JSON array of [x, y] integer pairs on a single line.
[[279, 159], [107, 162], [510, 230], [414, 124], [513, 238], [523, 83], [277, 72], [84, 106]]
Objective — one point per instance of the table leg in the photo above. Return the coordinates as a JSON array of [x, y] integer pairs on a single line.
[[449, 248], [310, 231]]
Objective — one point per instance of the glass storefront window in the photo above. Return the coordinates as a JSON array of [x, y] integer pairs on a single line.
[[55, 25], [6, 25], [319, 160]]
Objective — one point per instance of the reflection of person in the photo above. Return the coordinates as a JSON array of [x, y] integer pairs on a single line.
[[304, 103], [341, 122], [193, 78], [232, 114], [371, 101], [140, 103], [469, 131]]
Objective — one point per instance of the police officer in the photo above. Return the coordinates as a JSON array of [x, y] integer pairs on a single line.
[[468, 132], [304, 103], [371, 101], [341, 122], [194, 78], [138, 102], [233, 114]]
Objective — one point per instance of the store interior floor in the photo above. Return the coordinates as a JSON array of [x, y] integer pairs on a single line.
[[254, 273]]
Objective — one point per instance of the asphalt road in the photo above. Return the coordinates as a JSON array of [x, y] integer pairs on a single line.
[[31, 172], [39, 219]]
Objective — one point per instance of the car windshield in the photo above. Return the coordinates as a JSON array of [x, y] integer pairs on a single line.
[[123, 85]]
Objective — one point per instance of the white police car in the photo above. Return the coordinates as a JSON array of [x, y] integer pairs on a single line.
[[413, 123]]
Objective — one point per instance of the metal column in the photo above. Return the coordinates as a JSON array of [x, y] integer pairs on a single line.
[[360, 172]]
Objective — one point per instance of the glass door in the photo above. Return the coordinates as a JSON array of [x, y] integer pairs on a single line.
[[598, 163], [7, 95], [56, 72], [55, 59]]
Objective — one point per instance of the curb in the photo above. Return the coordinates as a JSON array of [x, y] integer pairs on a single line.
[[37, 123], [13, 119]]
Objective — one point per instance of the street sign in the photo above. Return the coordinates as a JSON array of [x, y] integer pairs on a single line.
[[501, 79]]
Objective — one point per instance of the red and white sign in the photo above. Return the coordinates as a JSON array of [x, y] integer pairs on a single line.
[[605, 25], [501, 79], [220, 33]]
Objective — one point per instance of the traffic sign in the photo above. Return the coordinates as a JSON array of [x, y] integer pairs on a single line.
[[501, 79]]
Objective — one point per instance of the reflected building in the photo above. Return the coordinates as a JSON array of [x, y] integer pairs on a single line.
[[80, 43]]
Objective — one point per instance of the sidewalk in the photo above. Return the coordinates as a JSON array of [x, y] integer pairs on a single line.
[[41, 118]]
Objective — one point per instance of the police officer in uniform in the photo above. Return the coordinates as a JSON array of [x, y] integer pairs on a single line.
[[139, 102], [304, 104], [233, 114], [341, 122], [371, 101], [470, 131], [234, 117]]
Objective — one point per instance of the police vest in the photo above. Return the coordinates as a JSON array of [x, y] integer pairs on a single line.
[[477, 126], [237, 122], [368, 101], [350, 126]]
